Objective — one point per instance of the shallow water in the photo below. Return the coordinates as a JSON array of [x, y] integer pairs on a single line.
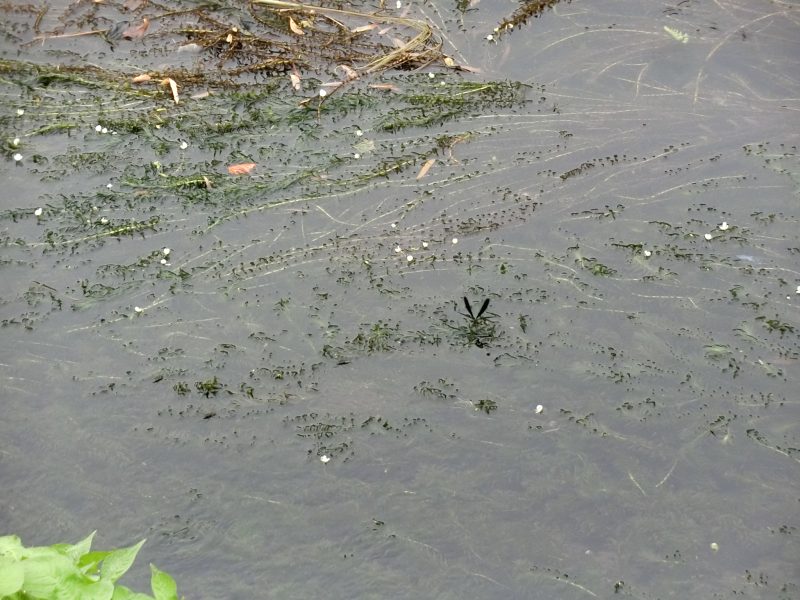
[[605, 216]]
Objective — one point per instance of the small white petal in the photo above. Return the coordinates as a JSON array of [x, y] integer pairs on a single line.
[[398, 249], [166, 251], [394, 225], [184, 145], [708, 236], [410, 258], [325, 458], [648, 253], [20, 112], [723, 226], [109, 185], [104, 130], [359, 133], [490, 37], [103, 220], [356, 155], [399, 4], [322, 93], [17, 157], [539, 409], [714, 546], [424, 244], [138, 309], [455, 240], [163, 261], [38, 212], [431, 75], [98, 128]]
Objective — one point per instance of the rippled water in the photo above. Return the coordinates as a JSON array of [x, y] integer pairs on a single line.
[[293, 402]]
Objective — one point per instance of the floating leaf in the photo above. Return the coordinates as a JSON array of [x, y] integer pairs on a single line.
[[295, 27], [426, 167], [143, 78], [134, 32], [172, 86], [677, 35], [241, 168]]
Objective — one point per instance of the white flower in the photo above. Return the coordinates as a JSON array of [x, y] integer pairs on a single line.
[[424, 244], [104, 130], [356, 155], [109, 185], [539, 409], [398, 249], [394, 225], [325, 459], [15, 142], [359, 133], [708, 236], [20, 112], [648, 253], [432, 75], [164, 262], [410, 258], [322, 93], [490, 37], [714, 546], [103, 221], [184, 145], [138, 309], [455, 240], [724, 226], [166, 251], [17, 157], [38, 212], [98, 128]]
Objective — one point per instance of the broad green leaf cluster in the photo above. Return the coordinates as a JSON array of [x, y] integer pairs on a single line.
[[73, 572]]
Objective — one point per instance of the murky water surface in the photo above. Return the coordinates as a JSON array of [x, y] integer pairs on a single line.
[[273, 376]]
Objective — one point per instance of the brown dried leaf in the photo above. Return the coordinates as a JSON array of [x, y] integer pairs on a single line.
[[143, 78], [426, 167], [363, 28], [241, 168], [295, 27], [134, 32], [173, 87], [351, 73], [294, 76]]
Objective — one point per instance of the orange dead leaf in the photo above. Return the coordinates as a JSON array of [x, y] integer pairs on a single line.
[[143, 78], [241, 168], [172, 86], [426, 167], [134, 32], [295, 27]]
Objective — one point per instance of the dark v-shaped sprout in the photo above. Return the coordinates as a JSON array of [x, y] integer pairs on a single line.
[[484, 306]]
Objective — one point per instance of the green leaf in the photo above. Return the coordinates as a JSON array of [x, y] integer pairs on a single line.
[[43, 573], [11, 545], [164, 587], [89, 563], [78, 587], [12, 576], [77, 550], [117, 563], [123, 593]]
